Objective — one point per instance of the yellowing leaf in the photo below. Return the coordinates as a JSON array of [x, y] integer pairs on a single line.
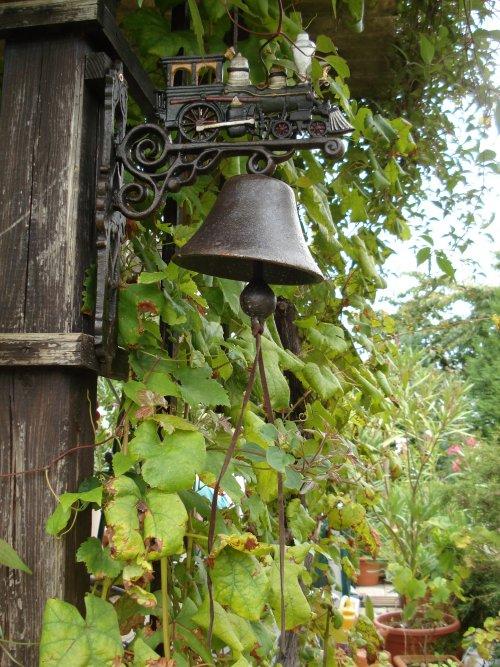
[[122, 518], [68, 639], [164, 524]]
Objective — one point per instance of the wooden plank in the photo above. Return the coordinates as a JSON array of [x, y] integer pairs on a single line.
[[48, 133], [15, 15], [96, 17], [39, 349]]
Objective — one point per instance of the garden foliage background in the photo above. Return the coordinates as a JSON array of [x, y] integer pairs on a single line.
[[341, 398]]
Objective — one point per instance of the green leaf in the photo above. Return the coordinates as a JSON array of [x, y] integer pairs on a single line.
[[278, 459], [299, 521], [324, 44], [297, 610], [197, 388], [423, 255], [98, 559], [322, 380], [68, 639], [197, 23], [94, 495], [194, 643], [143, 654], [240, 583], [427, 49], [172, 465], [211, 471], [444, 264], [279, 389], [223, 628], [231, 290], [9, 557], [486, 155], [58, 520], [339, 65], [122, 462], [172, 422]]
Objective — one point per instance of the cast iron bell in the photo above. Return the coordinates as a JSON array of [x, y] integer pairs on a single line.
[[252, 233]]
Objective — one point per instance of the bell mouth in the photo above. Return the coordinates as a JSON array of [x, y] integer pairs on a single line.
[[243, 268]]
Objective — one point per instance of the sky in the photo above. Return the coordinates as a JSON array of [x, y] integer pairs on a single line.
[[485, 241]]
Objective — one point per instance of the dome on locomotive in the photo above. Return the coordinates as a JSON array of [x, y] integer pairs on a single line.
[[277, 77], [238, 71]]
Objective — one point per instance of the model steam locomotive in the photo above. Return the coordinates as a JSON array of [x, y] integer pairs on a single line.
[[198, 104]]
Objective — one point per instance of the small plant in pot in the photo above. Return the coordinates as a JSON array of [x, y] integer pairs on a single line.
[[424, 616], [423, 543]]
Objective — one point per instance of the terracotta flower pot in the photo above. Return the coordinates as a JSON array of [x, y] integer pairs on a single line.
[[361, 659], [404, 641], [369, 572], [406, 660]]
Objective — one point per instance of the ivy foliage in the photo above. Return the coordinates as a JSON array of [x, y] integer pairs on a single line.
[[190, 347]]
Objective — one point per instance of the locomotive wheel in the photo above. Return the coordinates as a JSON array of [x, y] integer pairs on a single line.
[[281, 129], [317, 128], [199, 113]]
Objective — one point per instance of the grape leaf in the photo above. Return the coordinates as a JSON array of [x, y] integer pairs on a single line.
[[299, 521], [172, 465], [69, 639], [197, 388], [223, 628], [297, 610], [164, 524], [97, 559], [240, 583]]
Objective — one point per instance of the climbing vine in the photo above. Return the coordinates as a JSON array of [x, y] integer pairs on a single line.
[[190, 347]]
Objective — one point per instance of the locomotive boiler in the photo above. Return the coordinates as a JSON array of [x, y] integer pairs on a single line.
[[198, 104]]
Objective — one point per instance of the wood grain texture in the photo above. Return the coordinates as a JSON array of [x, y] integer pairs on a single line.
[[96, 18], [48, 132], [27, 13], [48, 350]]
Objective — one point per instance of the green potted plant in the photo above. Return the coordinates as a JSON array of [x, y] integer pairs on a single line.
[[420, 540]]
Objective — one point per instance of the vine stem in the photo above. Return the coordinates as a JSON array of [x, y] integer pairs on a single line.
[[105, 587], [164, 606], [325, 639]]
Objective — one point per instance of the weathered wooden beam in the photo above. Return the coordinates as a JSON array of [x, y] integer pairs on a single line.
[[40, 349], [96, 18], [49, 132]]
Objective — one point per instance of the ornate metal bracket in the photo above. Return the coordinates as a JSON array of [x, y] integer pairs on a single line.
[[159, 166], [110, 222], [276, 120]]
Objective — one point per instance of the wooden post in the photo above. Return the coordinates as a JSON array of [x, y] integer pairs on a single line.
[[49, 135]]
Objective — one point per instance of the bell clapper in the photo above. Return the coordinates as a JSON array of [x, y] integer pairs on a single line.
[[258, 300]]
